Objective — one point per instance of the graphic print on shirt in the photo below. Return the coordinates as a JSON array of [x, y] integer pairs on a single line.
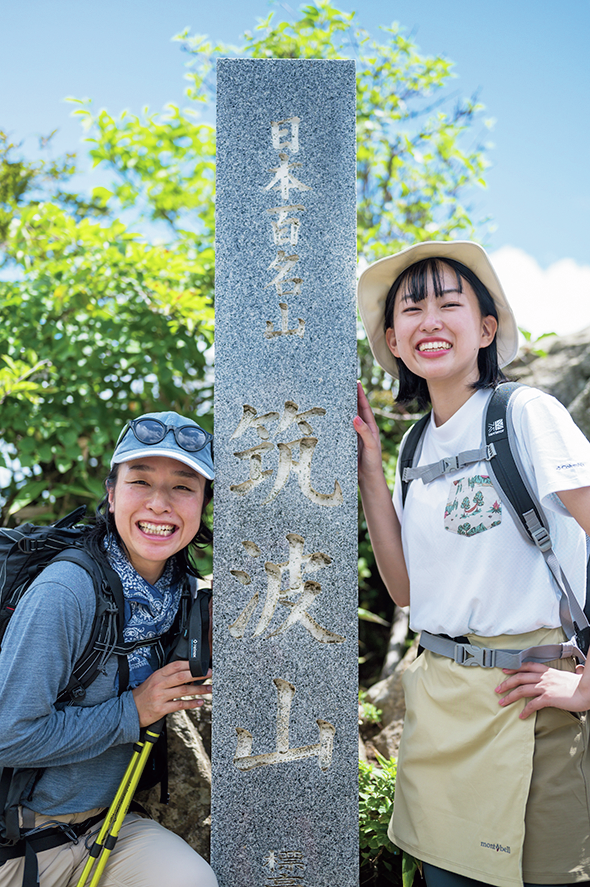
[[473, 506]]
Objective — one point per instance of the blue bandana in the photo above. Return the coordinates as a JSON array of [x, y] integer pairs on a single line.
[[149, 609]]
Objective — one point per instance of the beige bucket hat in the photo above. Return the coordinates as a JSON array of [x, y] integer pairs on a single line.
[[376, 281]]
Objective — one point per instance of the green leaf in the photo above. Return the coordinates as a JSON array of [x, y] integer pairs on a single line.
[[367, 616], [27, 494], [409, 868]]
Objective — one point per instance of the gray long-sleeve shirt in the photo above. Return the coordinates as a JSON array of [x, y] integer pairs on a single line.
[[84, 747]]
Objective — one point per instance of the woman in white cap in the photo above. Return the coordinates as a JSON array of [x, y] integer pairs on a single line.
[[146, 527], [483, 794]]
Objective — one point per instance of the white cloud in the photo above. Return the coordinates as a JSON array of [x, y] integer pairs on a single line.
[[556, 299]]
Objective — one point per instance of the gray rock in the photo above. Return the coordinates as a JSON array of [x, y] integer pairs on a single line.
[[388, 695], [397, 641], [387, 741], [189, 775], [564, 373], [362, 750]]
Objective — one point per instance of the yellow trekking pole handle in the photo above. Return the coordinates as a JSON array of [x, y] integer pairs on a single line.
[[109, 832]]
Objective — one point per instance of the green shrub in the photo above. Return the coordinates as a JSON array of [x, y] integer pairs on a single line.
[[367, 711], [381, 862]]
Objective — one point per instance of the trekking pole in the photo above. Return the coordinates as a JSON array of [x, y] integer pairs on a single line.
[[192, 645], [109, 832]]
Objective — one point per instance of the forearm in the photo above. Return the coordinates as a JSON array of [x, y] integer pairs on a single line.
[[65, 737], [385, 534], [382, 522]]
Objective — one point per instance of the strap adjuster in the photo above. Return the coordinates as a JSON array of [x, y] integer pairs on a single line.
[[467, 654], [542, 538]]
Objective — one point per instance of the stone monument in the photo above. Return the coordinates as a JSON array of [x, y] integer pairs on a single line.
[[285, 713]]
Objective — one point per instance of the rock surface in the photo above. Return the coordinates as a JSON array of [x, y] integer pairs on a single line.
[[564, 373], [388, 695], [285, 724], [189, 780]]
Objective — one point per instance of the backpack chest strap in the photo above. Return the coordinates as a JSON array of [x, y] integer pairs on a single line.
[[428, 473]]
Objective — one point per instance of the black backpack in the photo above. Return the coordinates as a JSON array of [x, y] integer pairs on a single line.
[[25, 551], [510, 479]]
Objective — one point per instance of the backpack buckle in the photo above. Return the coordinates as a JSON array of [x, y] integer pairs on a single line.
[[450, 463], [467, 654], [27, 545]]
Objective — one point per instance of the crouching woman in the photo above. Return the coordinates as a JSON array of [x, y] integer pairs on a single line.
[[150, 518]]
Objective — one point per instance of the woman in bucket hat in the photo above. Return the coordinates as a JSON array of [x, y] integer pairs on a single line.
[[483, 794], [146, 527]]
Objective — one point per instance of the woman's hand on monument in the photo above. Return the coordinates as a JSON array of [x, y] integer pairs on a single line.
[[547, 687], [161, 693], [369, 445]]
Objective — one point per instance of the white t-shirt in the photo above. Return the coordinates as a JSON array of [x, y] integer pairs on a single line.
[[471, 570]]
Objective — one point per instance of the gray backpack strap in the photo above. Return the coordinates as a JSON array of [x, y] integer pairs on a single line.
[[485, 657], [510, 478], [427, 473], [410, 452]]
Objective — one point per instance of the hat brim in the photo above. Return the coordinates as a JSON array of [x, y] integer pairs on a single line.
[[376, 281], [190, 459]]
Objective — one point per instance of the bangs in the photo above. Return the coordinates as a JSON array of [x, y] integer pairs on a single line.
[[412, 284]]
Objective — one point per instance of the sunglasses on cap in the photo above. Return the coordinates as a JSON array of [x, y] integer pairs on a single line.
[[191, 438]]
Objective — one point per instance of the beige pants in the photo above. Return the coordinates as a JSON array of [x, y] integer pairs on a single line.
[[480, 792], [145, 855]]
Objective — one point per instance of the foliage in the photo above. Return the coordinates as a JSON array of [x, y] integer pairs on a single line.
[[100, 323], [102, 326], [24, 183], [412, 166], [367, 616], [532, 347], [381, 861], [164, 166], [368, 712], [109, 322]]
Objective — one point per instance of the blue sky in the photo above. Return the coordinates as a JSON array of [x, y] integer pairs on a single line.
[[527, 59]]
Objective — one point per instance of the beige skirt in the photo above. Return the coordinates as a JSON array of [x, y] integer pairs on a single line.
[[482, 793]]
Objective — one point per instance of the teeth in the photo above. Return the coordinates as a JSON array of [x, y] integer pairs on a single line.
[[156, 529], [433, 346]]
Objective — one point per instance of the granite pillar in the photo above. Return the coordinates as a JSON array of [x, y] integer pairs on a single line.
[[285, 715]]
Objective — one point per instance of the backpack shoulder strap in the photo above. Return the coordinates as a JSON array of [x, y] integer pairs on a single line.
[[408, 454], [107, 627], [507, 469], [510, 478]]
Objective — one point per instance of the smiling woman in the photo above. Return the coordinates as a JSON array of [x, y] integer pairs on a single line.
[[146, 525], [438, 320]]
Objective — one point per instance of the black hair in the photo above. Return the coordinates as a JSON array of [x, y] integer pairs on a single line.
[[413, 388], [105, 528]]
